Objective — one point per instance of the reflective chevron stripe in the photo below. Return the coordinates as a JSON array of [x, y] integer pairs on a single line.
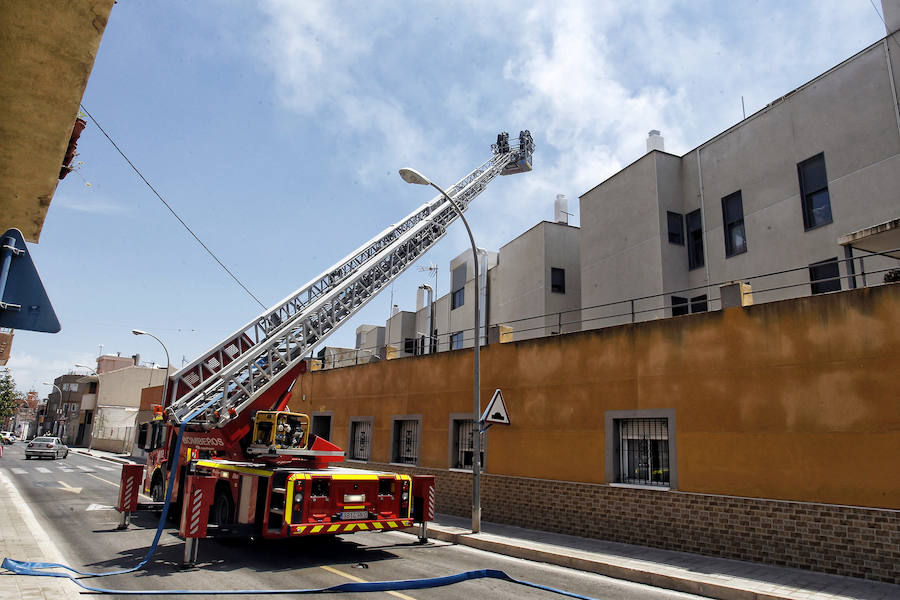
[[349, 527]]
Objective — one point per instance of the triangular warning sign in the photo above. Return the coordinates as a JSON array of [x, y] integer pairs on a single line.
[[496, 411], [23, 301]]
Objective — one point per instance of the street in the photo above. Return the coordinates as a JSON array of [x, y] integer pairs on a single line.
[[72, 499]]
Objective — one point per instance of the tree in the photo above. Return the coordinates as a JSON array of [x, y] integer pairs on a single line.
[[10, 399]]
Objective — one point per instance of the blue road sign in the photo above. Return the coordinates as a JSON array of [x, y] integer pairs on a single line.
[[23, 300]]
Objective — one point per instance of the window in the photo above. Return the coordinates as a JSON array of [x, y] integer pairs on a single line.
[[698, 304], [733, 222], [676, 228], [694, 239], [360, 439], [456, 340], [679, 306], [557, 280], [92, 387], [409, 345], [825, 276], [814, 192], [405, 447], [458, 287], [642, 451], [321, 426], [463, 444]]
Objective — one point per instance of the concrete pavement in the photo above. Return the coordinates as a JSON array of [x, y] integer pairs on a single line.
[[22, 537], [692, 573]]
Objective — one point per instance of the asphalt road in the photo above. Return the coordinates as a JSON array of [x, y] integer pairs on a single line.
[[73, 498]]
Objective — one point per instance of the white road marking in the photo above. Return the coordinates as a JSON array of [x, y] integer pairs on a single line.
[[100, 507], [86, 469], [42, 469], [65, 470], [18, 471], [108, 468]]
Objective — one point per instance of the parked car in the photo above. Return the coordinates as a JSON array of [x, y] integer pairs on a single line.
[[6, 437], [51, 447]]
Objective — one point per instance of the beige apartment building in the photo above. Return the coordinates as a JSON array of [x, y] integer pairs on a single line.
[[774, 201]]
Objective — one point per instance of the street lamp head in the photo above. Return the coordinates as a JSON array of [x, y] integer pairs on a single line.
[[138, 332], [46, 383], [413, 176]]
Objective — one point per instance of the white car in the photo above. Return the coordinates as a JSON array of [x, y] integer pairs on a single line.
[[51, 447], [6, 437]]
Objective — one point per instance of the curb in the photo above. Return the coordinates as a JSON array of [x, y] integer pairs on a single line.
[[655, 579], [114, 459]]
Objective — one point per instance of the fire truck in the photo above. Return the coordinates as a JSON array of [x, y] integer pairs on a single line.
[[225, 449]]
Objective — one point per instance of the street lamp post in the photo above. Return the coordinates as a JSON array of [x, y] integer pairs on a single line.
[[91, 369], [166, 380], [413, 176]]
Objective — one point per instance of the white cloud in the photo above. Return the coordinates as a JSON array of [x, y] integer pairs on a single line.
[[91, 204], [588, 78]]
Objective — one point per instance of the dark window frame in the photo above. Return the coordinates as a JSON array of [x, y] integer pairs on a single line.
[[816, 276], [808, 191], [679, 306], [695, 250], [613, 425], [461, 454], [557, 280], [699, 304], [732, 205], [401, 448], [675, 237], [458, 286], [360, 425], [458, 298], [457, 337]]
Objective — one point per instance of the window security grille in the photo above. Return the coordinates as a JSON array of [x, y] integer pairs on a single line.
[[643, 451], [463, 444], [406, 442], [361, 440]]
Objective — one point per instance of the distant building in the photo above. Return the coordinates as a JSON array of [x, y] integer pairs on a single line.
[[110, 414], [530, 288], [63, 412]]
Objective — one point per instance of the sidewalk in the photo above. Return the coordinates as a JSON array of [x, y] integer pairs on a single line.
[[692, 573], [124, 459], [22, 538]]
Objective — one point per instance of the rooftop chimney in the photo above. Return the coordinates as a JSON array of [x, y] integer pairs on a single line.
[[561, 209], [655, 141]]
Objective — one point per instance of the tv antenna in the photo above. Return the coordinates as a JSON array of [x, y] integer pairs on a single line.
[[432, 270]]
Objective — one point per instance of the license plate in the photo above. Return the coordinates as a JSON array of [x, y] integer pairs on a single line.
[[354, 515]]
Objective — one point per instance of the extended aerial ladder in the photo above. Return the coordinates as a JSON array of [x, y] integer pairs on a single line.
[[254, 367]]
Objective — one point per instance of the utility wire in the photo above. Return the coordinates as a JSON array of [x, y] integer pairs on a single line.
[[175, 214]]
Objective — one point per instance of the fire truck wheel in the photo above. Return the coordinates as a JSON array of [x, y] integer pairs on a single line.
[[222, 512]]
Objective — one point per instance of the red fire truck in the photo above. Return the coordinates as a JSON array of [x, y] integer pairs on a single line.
[[224, 446]]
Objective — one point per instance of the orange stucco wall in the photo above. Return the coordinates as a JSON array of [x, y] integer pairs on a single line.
[[795, 400]]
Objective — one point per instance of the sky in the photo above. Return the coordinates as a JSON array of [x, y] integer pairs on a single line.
[[276, 129]]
